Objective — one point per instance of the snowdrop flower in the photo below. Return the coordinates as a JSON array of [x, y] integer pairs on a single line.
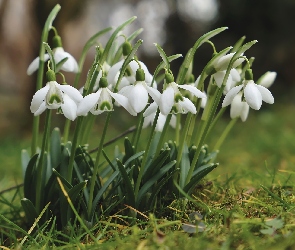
[[101, 101], [56, 96], [149, 116], [223, 62], [254, 94], [239, 108], [130, 73], [70, 65], [172, 99], [267, 79], [233, 78], [138, 93]]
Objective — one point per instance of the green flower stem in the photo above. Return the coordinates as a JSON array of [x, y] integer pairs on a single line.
[[39, 179], [141, 170], [87, 127], [73, 149], [96, 165], [225, 133], [162, 137], [66, 130], [177, 129], [216, 119], [206, 119], [44, 38], [182, 138], [138, 131], [193, 129]]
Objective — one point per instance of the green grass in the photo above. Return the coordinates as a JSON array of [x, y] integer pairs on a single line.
[[253, 185]]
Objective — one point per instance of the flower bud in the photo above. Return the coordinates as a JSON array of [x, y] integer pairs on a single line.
[[248, 74], [56, 42], [169, 78], [50, 76], [126, 48], [103, 82], [140, 76], [267, 79]]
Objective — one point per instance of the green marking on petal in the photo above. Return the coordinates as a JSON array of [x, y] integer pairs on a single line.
[[178, 97], [54, 98]]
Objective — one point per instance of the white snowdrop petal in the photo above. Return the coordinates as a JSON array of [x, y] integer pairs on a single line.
[[266, 94], [69, 108], [267, 79], [235, 75], [35, 64], [41, 109], [231, 95], [218, 77], [114, 70], [123, 101], [154, 93], [187, 105], [167, 100], [38, 98], [151, 109], [138, 97], [253, 96], [88, 103], [236, 106], [71, 92], [244, 112], [196, 92]]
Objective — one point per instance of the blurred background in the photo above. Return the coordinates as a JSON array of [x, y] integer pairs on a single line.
[[174, 24]]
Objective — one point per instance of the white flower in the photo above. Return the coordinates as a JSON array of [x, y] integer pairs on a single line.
[[254, 94], [114, 73], [239, 108], [223, 62], [172, 99], [233, 78], [204, 100], [137, 95], [149, 116], [55, 96], [70, 65], [267, 79], [101, 101]]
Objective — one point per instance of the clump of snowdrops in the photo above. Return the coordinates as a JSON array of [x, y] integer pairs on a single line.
[[67, 181]]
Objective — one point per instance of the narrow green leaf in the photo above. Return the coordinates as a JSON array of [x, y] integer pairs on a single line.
[[238, 44], [163, 56], [129, 192], [184, 166], [158, 188], [101, 192], [112, 38], [144, 189], [63, 179], [156, 164], [30, 210], [29, 188], [133, 157], [55, 148], [60, 64], [25, 158], [191, 53], [199, 174], [73, 193], [51, 56], [162, 65]]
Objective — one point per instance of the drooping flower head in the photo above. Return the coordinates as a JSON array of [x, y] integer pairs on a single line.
[[138, 92], [56, 96], [253, 93], [102, 101], [173, 101], [70, 65]]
